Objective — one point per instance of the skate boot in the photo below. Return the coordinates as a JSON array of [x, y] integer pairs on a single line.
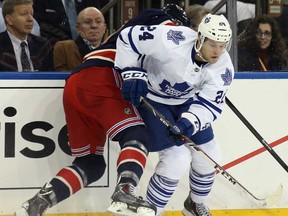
[[125, 202], [195, 209], [37, 205]]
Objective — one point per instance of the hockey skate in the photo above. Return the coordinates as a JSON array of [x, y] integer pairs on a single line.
[[124, 202], [37, 205], [195, 209]]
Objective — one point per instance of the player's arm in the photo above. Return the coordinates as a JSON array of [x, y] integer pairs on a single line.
[[208, 103], [134, 44], [202, 112]]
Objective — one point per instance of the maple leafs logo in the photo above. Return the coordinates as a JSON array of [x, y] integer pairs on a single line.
[[175, 36], [227, 77], [178, 90]]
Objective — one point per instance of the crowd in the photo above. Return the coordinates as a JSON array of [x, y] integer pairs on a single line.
[[102, 96], [44, 35], [57, 34]]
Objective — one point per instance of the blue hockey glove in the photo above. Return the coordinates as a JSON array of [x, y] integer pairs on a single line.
[[187, 125], [134, 86]]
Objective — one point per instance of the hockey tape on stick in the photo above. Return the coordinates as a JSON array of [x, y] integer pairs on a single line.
[[256, 134], [264, 202]]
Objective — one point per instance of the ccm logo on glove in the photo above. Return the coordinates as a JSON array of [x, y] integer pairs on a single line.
[[134, 75], [134, 86]]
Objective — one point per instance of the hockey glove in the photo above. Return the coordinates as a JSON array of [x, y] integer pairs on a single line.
[[134, 85], [187, 125]]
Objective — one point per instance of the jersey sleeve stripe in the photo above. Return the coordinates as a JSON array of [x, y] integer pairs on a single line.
[[130, 38], [204, 105], [208, 103]]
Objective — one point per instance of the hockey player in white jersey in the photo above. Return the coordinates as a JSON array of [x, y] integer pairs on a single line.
[[185, 76]]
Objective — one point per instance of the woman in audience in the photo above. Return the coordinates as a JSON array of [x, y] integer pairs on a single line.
[[261, 46]]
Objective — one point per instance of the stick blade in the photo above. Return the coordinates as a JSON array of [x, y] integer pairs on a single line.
[[275, 197], [270, 201]]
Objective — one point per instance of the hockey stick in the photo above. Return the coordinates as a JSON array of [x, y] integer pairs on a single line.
[[256, 134], [262, 202]]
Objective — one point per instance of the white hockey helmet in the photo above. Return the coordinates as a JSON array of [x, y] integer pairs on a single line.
[[215, 27]]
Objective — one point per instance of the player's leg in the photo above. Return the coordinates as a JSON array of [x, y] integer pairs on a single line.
[[201, 177], [168, 172], [68, 181], [130, 166], [72, 178], [173, 163], [120, 122]]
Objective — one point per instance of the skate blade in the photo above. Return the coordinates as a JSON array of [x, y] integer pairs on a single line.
[[187, 213], [21, 212], [119, 208]]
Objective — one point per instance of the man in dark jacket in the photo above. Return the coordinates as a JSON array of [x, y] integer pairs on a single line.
[[19, 49]]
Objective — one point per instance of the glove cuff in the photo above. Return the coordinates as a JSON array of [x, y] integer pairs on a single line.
[[134, 73], [193, 120]]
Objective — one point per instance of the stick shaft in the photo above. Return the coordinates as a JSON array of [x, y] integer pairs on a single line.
[[256, 134], [194, 147]]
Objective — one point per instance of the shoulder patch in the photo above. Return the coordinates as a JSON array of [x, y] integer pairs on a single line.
[[227, 77], [175, 36]]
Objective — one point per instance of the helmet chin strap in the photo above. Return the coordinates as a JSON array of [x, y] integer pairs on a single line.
[[200, 56], [198, 52]]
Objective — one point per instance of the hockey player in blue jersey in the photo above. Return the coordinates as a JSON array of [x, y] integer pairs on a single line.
[[185, 76]]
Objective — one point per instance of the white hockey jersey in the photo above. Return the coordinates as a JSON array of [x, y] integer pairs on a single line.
[[167, 54]]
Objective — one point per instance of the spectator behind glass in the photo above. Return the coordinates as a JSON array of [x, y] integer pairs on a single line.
[[195, 13], [18, 15], [52, 18], [91, 27], [35, 30], [261, 46]]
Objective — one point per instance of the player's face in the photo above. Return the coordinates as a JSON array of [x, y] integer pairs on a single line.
[[212, 50]]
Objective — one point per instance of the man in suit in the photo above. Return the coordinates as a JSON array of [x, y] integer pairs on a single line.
[[68, 54], [17, 41], [35, 30], [53, 20]]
